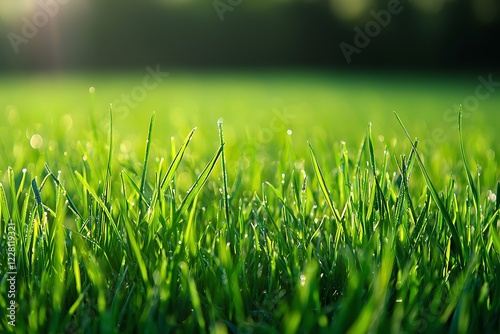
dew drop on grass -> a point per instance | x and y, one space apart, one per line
36 141
289 132
491 196
302 280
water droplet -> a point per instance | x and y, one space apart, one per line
36 141
302 280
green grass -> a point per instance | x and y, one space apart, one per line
195 225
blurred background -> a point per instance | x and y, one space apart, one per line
130 34
323 69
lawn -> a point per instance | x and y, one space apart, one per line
308 208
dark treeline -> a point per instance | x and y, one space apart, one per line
197 34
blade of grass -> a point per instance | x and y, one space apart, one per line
38 198
434 193
137 252
326 194
195 297
71 204
77 303
136 187
497 207
4 206
198 184
224 172
470 180
21 184
14 208
145 165
177 159
101 204
322 184
107 182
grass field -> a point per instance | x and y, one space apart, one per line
292 215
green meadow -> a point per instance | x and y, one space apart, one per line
250 202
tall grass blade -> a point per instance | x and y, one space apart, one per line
101 204
4 206
71 204
497 207
224 172
434 193
195 297
145 164
136 187
107 182
137 252
470 180
326 194
322 183
379 196
14 207
176 160
38 198
198 184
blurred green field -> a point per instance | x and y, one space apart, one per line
352 233
256 107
